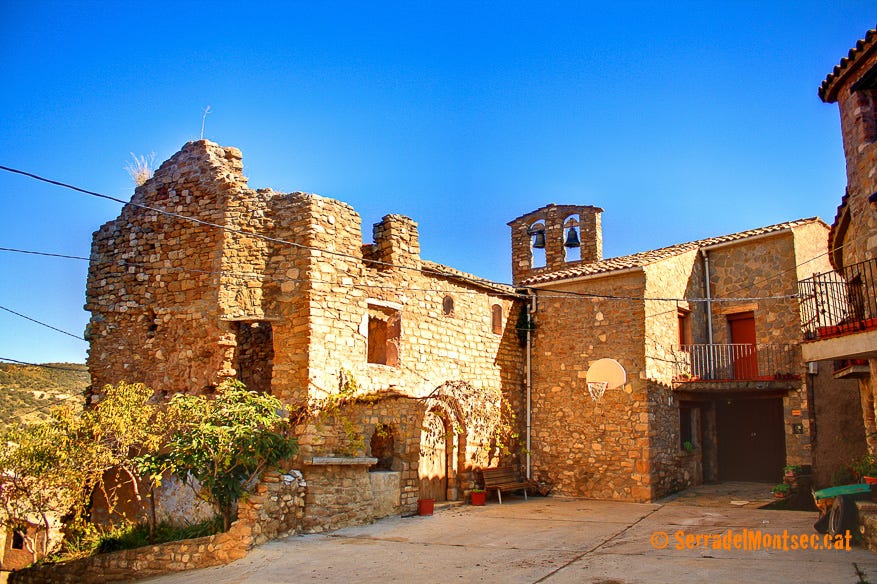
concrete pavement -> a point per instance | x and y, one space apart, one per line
557 541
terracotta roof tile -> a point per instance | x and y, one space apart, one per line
448 272
827 91
645 258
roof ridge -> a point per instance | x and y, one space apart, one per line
653 255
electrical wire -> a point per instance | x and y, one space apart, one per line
78 337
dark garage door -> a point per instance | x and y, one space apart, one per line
751 439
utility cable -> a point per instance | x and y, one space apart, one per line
78 337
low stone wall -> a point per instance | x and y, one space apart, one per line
339 493
275 508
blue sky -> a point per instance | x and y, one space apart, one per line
682 122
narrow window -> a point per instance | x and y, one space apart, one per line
448 306
686 436
684 320
17 540
384 332
496 319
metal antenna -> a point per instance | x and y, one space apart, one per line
203 118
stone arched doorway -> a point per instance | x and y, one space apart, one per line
435 444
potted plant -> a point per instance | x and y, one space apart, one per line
478 497
866 468
791 470
781 490
688 445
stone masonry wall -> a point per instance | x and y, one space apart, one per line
670 467
553 216
337 493
275 508
287 290
763 269
583 448
154 281
858 115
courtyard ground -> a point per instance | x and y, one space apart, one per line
561 540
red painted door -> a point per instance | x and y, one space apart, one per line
743 352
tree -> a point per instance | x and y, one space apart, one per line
49 470
126 423
44 473
224 443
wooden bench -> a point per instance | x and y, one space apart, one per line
504 478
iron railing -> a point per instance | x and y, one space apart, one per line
839 303
738 362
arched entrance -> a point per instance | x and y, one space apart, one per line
434 447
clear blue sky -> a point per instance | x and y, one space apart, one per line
682 121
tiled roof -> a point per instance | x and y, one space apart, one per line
826 90
645 258
455 274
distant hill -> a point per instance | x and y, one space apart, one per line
29 392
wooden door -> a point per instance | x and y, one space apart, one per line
433 467
751 439
744 355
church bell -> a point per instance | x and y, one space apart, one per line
572 238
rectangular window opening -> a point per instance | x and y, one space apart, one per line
384 332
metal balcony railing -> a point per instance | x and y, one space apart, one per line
839 303
738 362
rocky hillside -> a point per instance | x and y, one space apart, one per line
29 392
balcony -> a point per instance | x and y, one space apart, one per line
834 304
738 362
839 313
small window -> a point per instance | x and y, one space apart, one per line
496 319
684 320
866 104
382 447
17 540
686 435
384 332
448 306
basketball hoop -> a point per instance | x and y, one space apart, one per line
597 389
604 374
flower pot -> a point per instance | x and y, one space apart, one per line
425 506
479 497
780 495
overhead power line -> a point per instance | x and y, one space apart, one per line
41 323
461 277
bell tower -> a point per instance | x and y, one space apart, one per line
554 238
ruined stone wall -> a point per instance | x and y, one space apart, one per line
583 448
154 281
282 298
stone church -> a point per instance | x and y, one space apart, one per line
202 278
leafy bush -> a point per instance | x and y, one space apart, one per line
223 443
